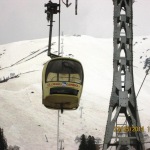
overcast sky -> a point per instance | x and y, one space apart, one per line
26 20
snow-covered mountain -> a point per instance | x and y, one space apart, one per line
31 126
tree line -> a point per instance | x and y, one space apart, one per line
87 143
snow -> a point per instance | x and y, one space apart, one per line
27 123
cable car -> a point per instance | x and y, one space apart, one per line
62 82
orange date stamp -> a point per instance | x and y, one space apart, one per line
129 129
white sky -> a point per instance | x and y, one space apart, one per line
25 20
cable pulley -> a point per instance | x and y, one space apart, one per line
52 8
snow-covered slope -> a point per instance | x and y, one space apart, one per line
28 124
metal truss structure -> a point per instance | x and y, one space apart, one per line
123 129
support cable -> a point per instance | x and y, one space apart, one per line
59 29
143 81
58 131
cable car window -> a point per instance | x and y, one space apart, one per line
64 70
62 90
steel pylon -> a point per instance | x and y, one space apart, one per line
123 129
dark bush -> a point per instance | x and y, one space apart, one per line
13 147
3 142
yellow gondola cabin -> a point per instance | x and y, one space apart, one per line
62 82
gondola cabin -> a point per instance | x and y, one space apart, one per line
62 82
